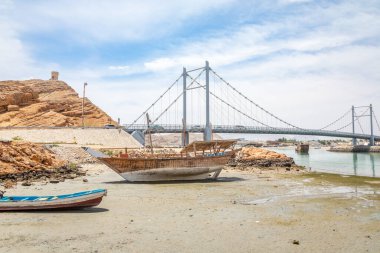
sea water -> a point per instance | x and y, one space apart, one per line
361 164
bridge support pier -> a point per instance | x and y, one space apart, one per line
353 126
207 136
139 136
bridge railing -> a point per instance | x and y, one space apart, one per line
176 128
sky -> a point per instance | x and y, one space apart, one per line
306 61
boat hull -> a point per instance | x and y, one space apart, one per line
173 174
167 169
74 201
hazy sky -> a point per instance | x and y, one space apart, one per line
306 61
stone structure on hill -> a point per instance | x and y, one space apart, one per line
54 75
46 103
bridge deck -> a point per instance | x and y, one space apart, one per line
248 130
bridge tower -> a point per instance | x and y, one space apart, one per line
372 139
207 134
185 133
353 126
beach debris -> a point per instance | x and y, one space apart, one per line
26 183
296 242
9 184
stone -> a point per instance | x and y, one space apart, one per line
12 108
257 157
71 176
26 183
296 242
85 180
54 181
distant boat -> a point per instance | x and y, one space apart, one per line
68 201
302 148
198 160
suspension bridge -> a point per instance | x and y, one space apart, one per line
216 106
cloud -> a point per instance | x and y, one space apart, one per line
84 21
160 64
303 60
15 60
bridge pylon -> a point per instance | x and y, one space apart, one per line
185 133
207 133
353 126
372 139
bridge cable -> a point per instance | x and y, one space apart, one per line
221 100
175 100
356 119
360 125
241 94
160 97
332 123
377 122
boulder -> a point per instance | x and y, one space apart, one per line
11 108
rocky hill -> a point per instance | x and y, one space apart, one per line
45 103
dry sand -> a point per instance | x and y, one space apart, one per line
242 212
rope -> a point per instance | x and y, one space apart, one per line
241 94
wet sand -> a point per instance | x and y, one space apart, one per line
242 212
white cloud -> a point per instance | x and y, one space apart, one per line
84 20
160 64
307 66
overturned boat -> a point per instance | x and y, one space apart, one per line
198 160
68 201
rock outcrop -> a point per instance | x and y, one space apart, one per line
19 157
258 157
24 161
45 103
355 149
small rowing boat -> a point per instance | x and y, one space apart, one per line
67 201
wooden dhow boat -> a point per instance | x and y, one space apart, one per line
198 160
67 201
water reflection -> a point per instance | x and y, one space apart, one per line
355 162
372 159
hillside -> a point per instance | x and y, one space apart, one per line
45 103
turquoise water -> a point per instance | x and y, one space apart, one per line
361 164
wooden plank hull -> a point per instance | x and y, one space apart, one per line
167 169
71 201
173 174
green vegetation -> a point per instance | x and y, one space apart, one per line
72 166
17 138
108 152
284 140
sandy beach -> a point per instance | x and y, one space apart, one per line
241 212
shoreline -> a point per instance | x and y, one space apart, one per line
242 211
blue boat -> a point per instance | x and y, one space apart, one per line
67 201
